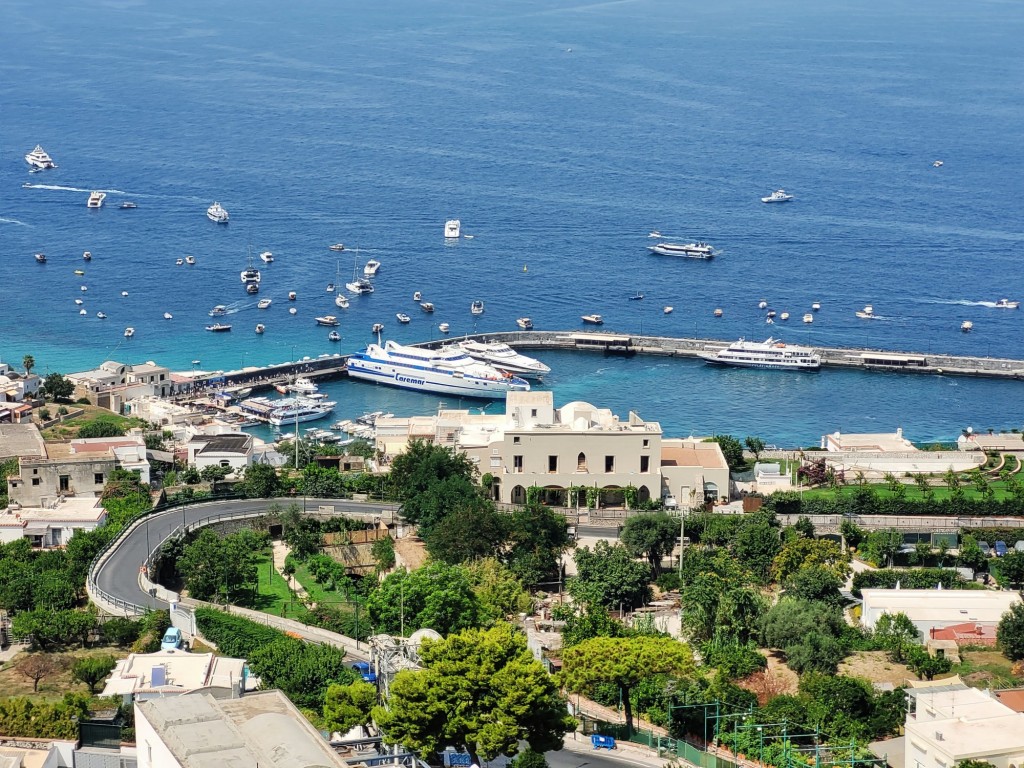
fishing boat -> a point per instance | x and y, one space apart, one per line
592 319
96 199
219 328
477 307
403 318
217 213
525 323
778 196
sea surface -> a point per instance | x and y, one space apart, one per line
560 133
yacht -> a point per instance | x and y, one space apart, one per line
525 323
291 296
219 328
303 386
179 262
447 370
371 268
341 300
477 307
260 327
592 319
808 318
128 205
687 250
417 296
771 353
504 358
250 274
264 303
337 247
190 260
966 326
96 199
667 310
427 307
360 285
38 158
219 311
86 256
101 315
168 316
868 313
403 318
1007 304
444 327
296 409
129 332
718 312
41 258
267 257
452 228
816 306
334 336
217 213
778 196
328 320
377 328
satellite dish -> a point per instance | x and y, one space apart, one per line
417 637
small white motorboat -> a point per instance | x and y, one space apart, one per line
592 319
762 304
291 296
82 312
168 316
718 312
937 164
667 310
477 307
966 326
123 293
778 196
816 306
79 301
334 336
83 288
452 229
260 327
129 332
266 257
1007 304
86 256
525 323
417 296
341 300
784 316
330 287
371 268
771 313
337 247
427 307
377 327
190 260
101 315
868 313
654 233
403 318
444 327
292 311
808 318
264 303
179 262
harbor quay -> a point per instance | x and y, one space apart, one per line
333 366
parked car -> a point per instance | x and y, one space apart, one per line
1000 548
172 640
365 671
986 550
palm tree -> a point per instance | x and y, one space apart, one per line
28 363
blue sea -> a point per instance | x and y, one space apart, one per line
560 133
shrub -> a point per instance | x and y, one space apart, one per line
233 635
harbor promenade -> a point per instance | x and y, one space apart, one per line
851 358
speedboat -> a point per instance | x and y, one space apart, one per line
778 196
168 316
38 159
808 318
360 285
771 353
477 307
427 307
417 296
291 295
667 310
654 233
219 328
341 300
96 199
784 316
219 311
266 257
718 312
337 247
82 312
868 313
403 318
86 256
1007 304
816 306
966 326
101 315
636 296
260 327
179 262
216 213
525 323
79 302
444 327
504 358
127 205
252 288
41 258
762 304
371 268
936 164
377 327
328 320
452 228
592 319
688 250
448 370
191 260
129 332
263 303
334 336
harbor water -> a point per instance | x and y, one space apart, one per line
561 134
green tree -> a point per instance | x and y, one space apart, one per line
608 576
732 450
100 428
92 670
221 567
1010 633
815 583
304 672
623 662
651 536
757 544
383 552
437 596
755 445
1009 570
926 666
815 652
261 482
971 555
588 623
974 764
28 363
469 532
721 610
49 630
58 387
896 633
529 759
478 688
537 537
500 593
346 706
799 552
882 546
429 480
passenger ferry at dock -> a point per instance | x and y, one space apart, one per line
448 370
770 353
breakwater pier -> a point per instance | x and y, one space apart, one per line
333 366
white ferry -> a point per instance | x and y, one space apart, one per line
687 250
38 158
217 213
778 196
504 358
770 353
448 370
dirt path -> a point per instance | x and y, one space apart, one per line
281 551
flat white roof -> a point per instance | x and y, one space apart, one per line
184 672
954 605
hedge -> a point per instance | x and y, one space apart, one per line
233 635
862 500
918 578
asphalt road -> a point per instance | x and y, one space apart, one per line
119 574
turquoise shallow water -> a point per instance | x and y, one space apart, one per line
323 122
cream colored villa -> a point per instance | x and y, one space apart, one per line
577 455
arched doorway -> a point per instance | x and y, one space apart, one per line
581 462
518 495
643 494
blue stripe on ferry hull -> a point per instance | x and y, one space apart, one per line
395 380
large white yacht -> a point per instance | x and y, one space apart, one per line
688 250
452 229
448 370
291 410
504 358
360 285
96 199
38 158
371 268
217 213
778 196
771 353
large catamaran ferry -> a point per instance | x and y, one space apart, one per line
770 353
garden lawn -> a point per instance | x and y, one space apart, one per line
984 667
273 595
316 591
939 492
69 429
53 688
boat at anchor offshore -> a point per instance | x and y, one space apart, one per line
686 250
448 370
770 353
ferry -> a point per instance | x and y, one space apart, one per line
38 159
687 250
452 229
504 358
778 196
216 213
448 370
770 353
96 199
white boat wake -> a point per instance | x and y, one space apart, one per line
13 221
72 189
959 302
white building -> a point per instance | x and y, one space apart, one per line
261 729
878 454
936 608
144 676
52 525
113 384
947 726
228 450
16 387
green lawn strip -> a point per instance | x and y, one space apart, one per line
316 591
273 595
939 492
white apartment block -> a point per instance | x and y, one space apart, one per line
947 726
936 608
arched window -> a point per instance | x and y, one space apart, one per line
581 462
